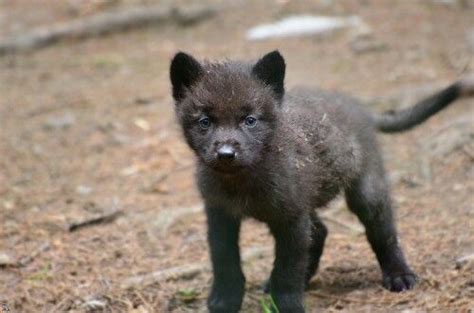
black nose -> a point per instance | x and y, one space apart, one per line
226 152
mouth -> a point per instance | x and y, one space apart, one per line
228 168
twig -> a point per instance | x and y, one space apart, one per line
186 271
144 301
102 24
345 299
179 168
29 258
65 304
469 153
462 261
102 219
175 156
169 217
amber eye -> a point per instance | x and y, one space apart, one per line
250 121
205 122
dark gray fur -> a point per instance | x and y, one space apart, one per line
305 148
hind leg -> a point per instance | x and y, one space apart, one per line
318 236
369 199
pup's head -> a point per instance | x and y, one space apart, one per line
228 110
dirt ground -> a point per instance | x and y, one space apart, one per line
88 128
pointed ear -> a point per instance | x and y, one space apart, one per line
271 70
184 71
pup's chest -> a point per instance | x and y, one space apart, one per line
261 204
246 200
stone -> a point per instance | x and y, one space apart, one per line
302 25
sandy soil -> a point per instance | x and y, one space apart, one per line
88 127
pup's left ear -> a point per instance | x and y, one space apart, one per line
184 72
271 70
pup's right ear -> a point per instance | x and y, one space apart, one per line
184 71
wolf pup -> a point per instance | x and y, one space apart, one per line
277 156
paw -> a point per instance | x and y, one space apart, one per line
289 303
226 298
223 305
400 282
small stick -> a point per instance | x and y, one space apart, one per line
460 262
168 218
346 299
102 219
179 168
29 258
186 271
144 301
170 273
468 153
102 24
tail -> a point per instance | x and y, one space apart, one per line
398 121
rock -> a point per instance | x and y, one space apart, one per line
362 29
83 190
130 170
302 25
60 122
363 40
464 260
8 205
6 260
93 304
142 123
38 150
456 3
447 2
